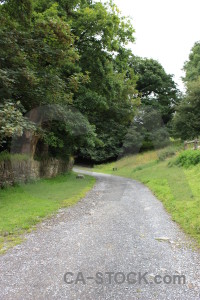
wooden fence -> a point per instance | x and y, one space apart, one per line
195 142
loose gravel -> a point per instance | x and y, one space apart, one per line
119 227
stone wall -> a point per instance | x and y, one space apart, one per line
21 171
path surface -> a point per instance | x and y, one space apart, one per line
116 228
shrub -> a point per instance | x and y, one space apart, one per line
188 158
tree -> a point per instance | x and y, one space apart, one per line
187 118
39 62
186 122
69 52
109 99
156 88
147 131
192 66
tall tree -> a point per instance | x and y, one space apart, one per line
109 99
39 62
192 66
156 87
187 118
67 52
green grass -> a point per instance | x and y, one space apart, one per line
177 187
22 207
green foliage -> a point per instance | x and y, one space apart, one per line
20 10
188 158
156 88
74 54
146 132
159 95
39 66
62 52
192 66
186 121
12 121
101 25
109 100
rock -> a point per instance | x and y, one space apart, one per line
6 234
147 208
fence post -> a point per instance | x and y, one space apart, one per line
195 144
185 145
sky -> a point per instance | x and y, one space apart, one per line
166 30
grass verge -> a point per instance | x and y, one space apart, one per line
177 187
22 207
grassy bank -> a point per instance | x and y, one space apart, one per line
177 187
22 207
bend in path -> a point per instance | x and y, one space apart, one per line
118 227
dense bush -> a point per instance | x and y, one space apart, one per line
188 158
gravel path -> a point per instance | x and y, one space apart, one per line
119 227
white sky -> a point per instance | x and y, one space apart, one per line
166 30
